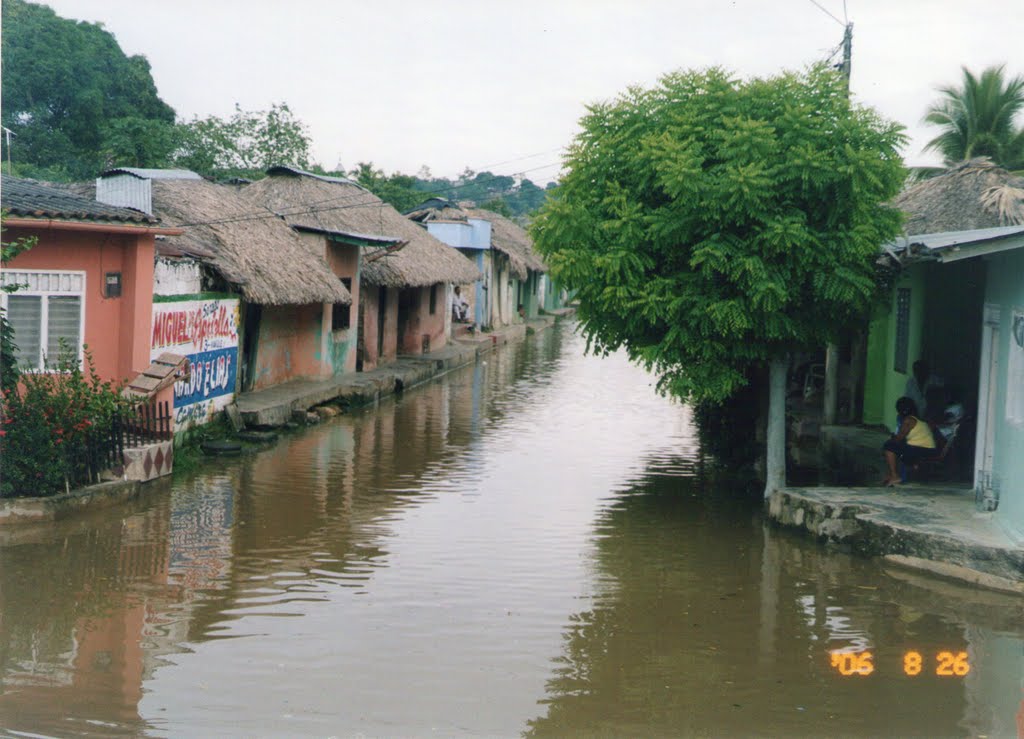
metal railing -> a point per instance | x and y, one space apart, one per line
104 451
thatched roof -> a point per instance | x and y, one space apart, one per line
972 195
334 205
254 250
250 248
511 239
437 210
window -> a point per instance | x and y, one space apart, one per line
47 307
902 329
433 299
341 314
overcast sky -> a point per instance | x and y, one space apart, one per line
501 84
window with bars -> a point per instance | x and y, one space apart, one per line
902 329
47 307
341 314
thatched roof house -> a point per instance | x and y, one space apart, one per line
341 207
249 248
253 250
511 239
972 195
507 237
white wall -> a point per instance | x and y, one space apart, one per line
176 277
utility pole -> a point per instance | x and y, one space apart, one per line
7 142
830 399
847 53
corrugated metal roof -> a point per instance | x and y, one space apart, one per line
282 169
369 238
153 174
953 245
31 199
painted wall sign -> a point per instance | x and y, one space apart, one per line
206 331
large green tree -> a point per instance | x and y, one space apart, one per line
400 190
245 144
711 226
74 101
978 118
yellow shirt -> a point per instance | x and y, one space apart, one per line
920 435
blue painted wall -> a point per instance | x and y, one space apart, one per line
1005 288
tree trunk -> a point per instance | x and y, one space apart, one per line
831 395
775 470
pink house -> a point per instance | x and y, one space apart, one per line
88 280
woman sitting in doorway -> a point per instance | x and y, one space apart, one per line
910 444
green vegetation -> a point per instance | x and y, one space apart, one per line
500 193
74 101
978 119
49 424
402 191
711 226
77 105
244 145
8 348
188 453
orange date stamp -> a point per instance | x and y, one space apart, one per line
941 664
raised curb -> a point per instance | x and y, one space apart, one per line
273 407
870 530
56 507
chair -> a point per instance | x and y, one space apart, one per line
939 463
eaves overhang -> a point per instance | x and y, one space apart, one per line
952 246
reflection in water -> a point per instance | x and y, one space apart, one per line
526 545
711 624
77 600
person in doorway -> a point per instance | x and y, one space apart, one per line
952 413
460 306
912 443
522 312
920 382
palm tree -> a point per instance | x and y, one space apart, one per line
977 119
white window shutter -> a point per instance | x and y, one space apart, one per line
25 312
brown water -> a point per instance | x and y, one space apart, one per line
529 546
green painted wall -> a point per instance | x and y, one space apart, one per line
551 295
879 343
1006 289
883 384
531 294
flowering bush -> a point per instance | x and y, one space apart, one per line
50 425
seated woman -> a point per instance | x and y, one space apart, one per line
910 444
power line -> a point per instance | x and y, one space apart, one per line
297 209
519 159
826 12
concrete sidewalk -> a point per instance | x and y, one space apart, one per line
274 406
931 527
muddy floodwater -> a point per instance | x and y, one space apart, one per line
532 546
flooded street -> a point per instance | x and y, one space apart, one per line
530 546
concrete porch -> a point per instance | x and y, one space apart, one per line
933 527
